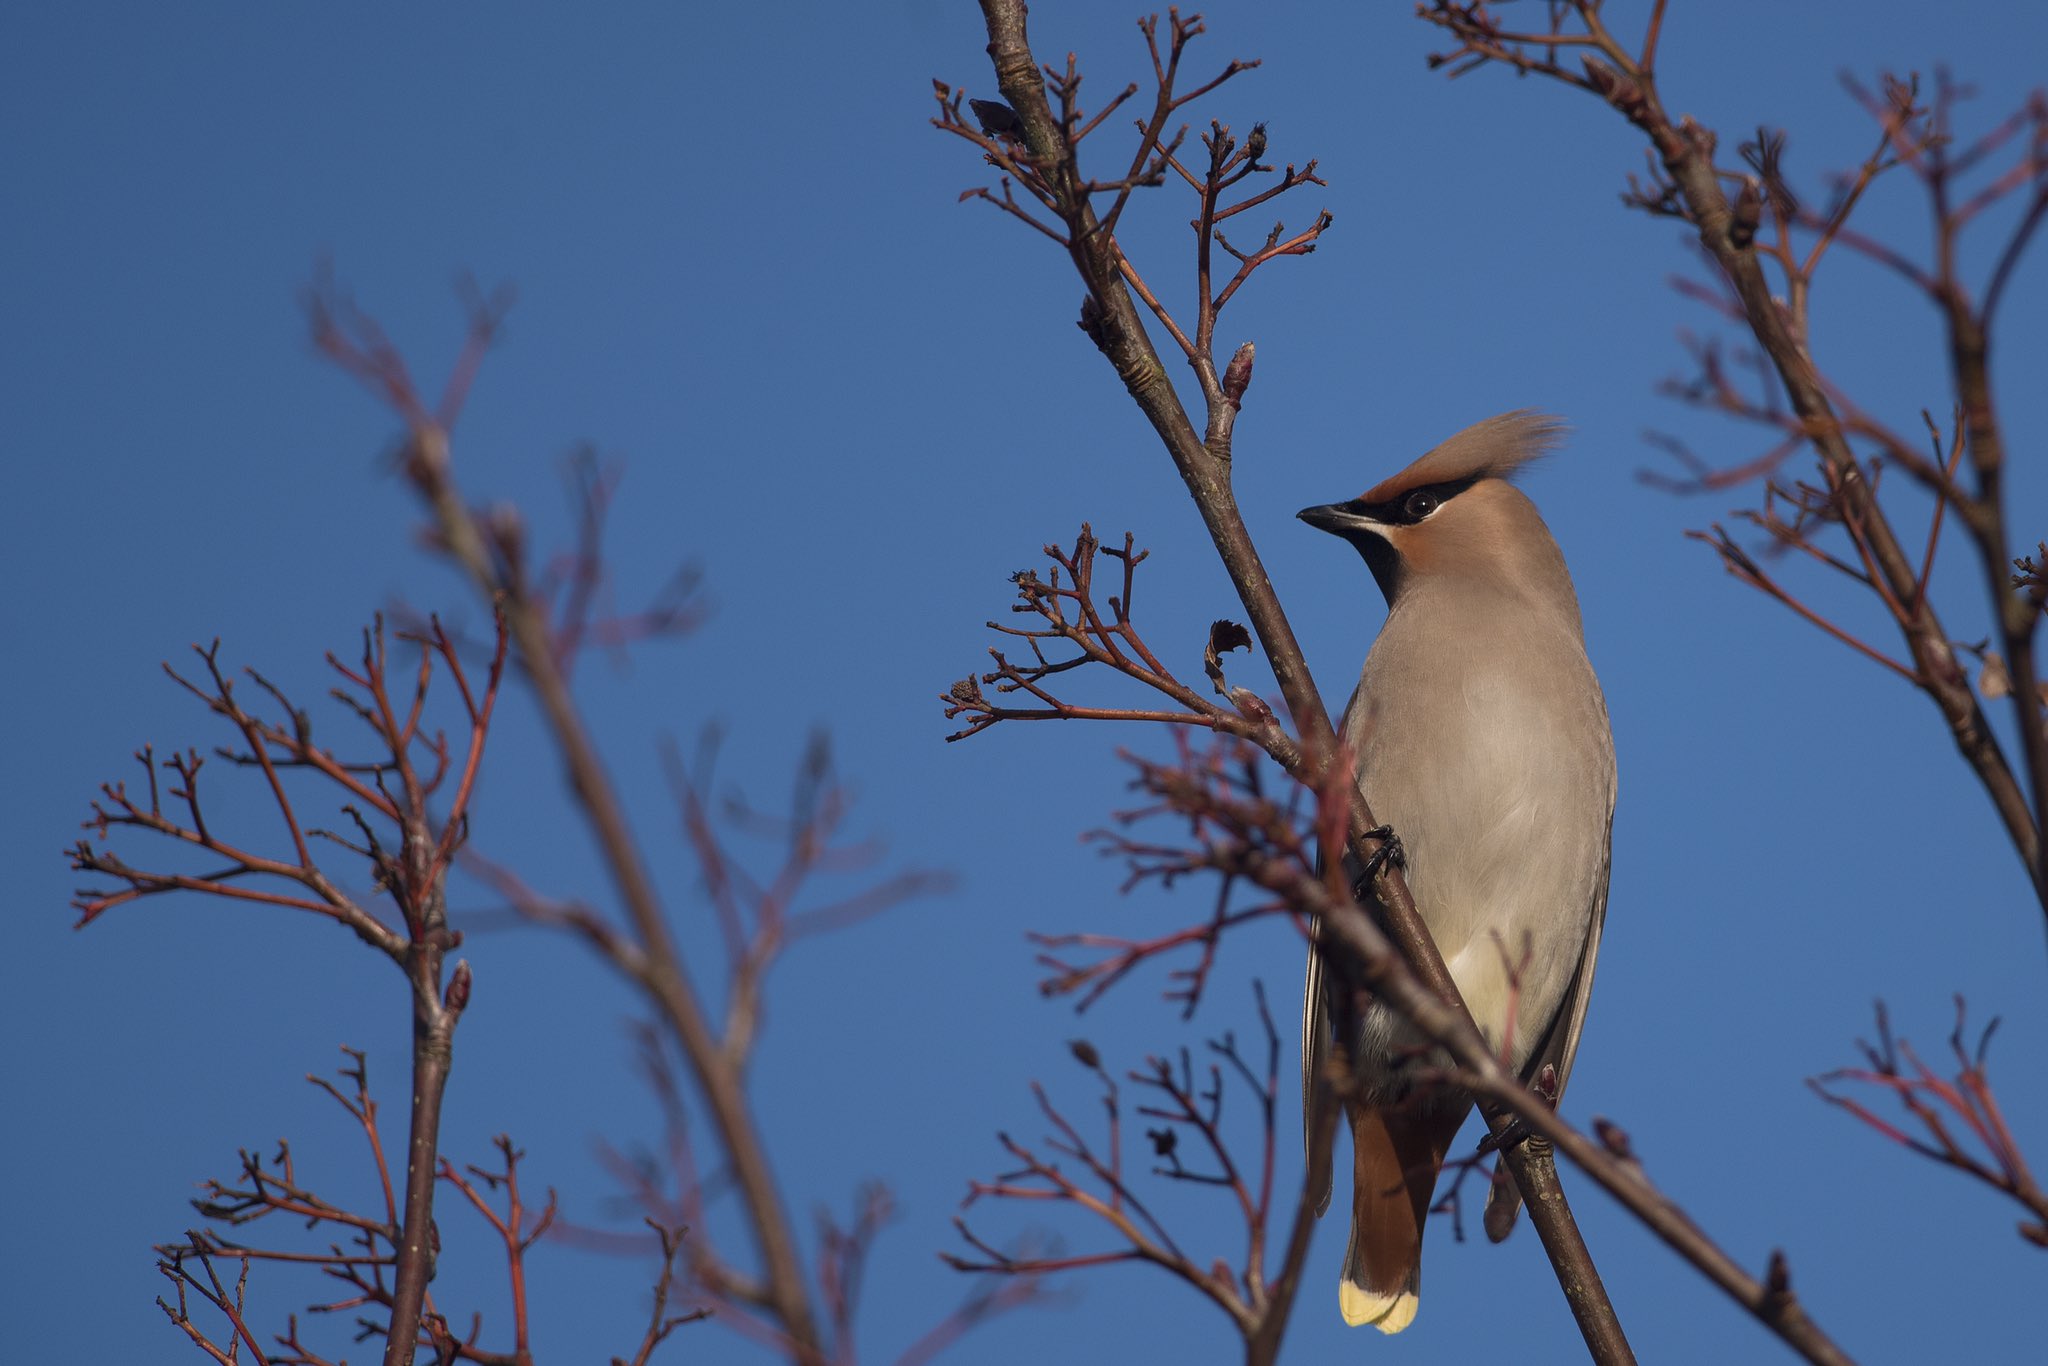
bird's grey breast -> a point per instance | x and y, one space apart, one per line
1481 737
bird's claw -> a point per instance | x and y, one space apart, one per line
1390 851
1510 1136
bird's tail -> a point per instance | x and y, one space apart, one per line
1397 1152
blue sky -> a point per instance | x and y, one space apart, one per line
859 406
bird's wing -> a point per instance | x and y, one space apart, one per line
1559 1048
1315 1052
1562 1046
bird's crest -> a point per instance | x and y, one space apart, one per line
1493 449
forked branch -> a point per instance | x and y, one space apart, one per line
1070 614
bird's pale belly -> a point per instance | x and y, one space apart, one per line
1501 875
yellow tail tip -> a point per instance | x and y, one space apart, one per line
1388 1313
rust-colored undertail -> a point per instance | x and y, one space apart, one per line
1396 1155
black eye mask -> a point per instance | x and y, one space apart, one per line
1411 507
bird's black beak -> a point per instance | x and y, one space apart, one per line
1339 519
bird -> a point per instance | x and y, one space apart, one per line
1480 736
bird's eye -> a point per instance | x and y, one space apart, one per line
1420 504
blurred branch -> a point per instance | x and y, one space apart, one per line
573 589
741 1302
980 1305
549 617
491 557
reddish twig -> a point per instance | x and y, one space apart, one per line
1225 775
1102 632
365 1261
232 1305
408 862
1188 1102
660 1322
511 1228
1959 1120
1738 562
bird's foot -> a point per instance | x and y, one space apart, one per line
1390 851
1516 1130
1511 1135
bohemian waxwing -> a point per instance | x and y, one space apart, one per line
1481 737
